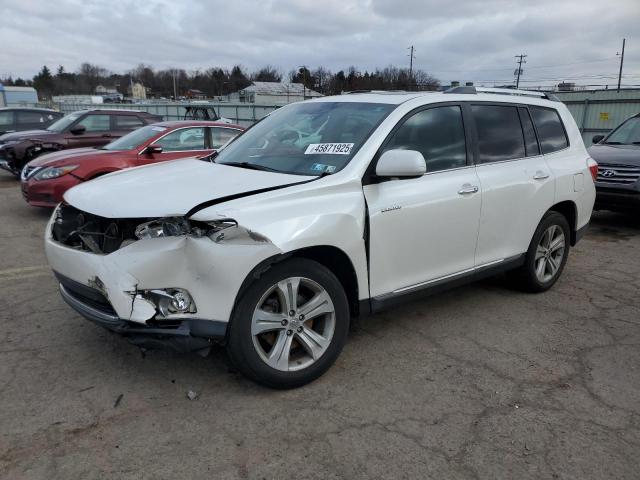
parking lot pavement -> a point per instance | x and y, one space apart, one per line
479 382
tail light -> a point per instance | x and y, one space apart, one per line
593 168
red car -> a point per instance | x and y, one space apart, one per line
45 179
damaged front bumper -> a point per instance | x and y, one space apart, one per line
112 289
187 335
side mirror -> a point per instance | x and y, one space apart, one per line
78 130
151 149
597 138
401 163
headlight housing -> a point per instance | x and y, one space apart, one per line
176 226
54 172
163 227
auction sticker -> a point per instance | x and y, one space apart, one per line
329 149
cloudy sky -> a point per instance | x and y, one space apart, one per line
571 40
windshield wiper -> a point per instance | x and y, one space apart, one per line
613 143
251 166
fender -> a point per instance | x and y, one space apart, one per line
329 215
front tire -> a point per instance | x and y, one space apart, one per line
289 326
546 256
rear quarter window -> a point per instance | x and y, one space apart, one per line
128 122
551 132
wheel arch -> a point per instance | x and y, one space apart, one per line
331 257
569 210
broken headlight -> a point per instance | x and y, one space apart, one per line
163 227
177 226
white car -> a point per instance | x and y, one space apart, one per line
325 210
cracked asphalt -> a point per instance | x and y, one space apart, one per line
481 382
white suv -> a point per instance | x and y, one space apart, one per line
325 210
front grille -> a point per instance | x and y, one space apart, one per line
92 233
618 174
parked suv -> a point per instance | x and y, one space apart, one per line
45 179
19 119
618 157
85 128
326 209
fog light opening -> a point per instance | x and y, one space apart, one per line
172 301
181 301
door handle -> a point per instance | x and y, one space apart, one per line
540 175
106 135
468 188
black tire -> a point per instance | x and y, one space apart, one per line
525 277
240 346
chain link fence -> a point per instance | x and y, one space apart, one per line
239 113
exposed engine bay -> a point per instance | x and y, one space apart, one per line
100 235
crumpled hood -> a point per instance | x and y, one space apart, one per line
26 134
69 157
616 154
169 188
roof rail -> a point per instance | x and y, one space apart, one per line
502 91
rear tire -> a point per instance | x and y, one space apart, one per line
547 255
289 326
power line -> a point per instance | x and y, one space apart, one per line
530 67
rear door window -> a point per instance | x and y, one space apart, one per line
182 140
30 118
437 133
220 136
550 129
500 135
95 123
530 140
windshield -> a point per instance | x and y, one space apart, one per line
64 122
626 134
306 138
134 139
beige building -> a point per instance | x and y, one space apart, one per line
137 91
273 93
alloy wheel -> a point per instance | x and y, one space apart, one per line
293 324
549 253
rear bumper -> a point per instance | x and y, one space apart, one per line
617 199
186 335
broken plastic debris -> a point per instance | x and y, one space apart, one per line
191 395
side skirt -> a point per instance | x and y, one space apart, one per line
389 300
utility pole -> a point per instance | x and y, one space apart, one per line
520 61
175 91
411 56
304 80
624 40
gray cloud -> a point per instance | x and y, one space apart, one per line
464 40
